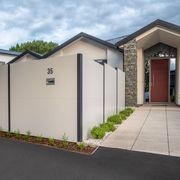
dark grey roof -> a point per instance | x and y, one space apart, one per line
115 40
14 53
84 35
157 22
32 53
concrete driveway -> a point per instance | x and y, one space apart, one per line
154 129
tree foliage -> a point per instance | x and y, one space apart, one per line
38 46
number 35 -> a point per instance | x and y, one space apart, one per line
49 70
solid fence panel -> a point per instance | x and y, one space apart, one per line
44 97
110 91
121 90
92 95
4 97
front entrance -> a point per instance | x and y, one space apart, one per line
159 80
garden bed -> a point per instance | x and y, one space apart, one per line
58 144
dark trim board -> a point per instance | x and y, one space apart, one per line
79 97
9 98
155 23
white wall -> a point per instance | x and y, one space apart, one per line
178 77
140 76
26 57
110 91
4 97
6 58
121 90
92 51
92 95
50 110
115 59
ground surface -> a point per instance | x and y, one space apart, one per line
22 161
154 129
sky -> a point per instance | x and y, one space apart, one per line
59 20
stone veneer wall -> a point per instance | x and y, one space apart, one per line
130 69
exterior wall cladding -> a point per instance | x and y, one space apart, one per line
130 69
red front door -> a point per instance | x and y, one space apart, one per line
159 80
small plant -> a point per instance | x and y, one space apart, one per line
65 141
81 145
107 127
28 133
1 129
17 134
116 119
51 141
9 134
97 132
39 138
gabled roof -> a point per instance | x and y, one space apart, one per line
32 53
82 35
117 39
155 23
13 53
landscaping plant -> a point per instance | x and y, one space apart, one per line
97 132
81 145
51 141
116 119
107 127
39 138
65 141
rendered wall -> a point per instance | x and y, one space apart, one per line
6 58
120 90
48 110
26 57
115 59
110 91
92 95
4 97
93 51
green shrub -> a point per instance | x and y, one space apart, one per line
107 127
39 138
17 134
125 113
65 141
97 132
51 141
1 129
81 146
116 119
28 133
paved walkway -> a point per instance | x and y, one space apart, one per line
154 129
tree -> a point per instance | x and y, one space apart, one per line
39 46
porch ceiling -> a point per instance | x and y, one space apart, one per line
157 35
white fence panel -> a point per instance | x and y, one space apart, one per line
92 95
121 90
110 91
47 110
4 97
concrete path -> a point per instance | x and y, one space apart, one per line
154 129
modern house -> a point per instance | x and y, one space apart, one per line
80 83
148 54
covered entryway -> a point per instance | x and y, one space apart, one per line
159 80
151 128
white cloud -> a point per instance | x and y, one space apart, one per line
59 20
